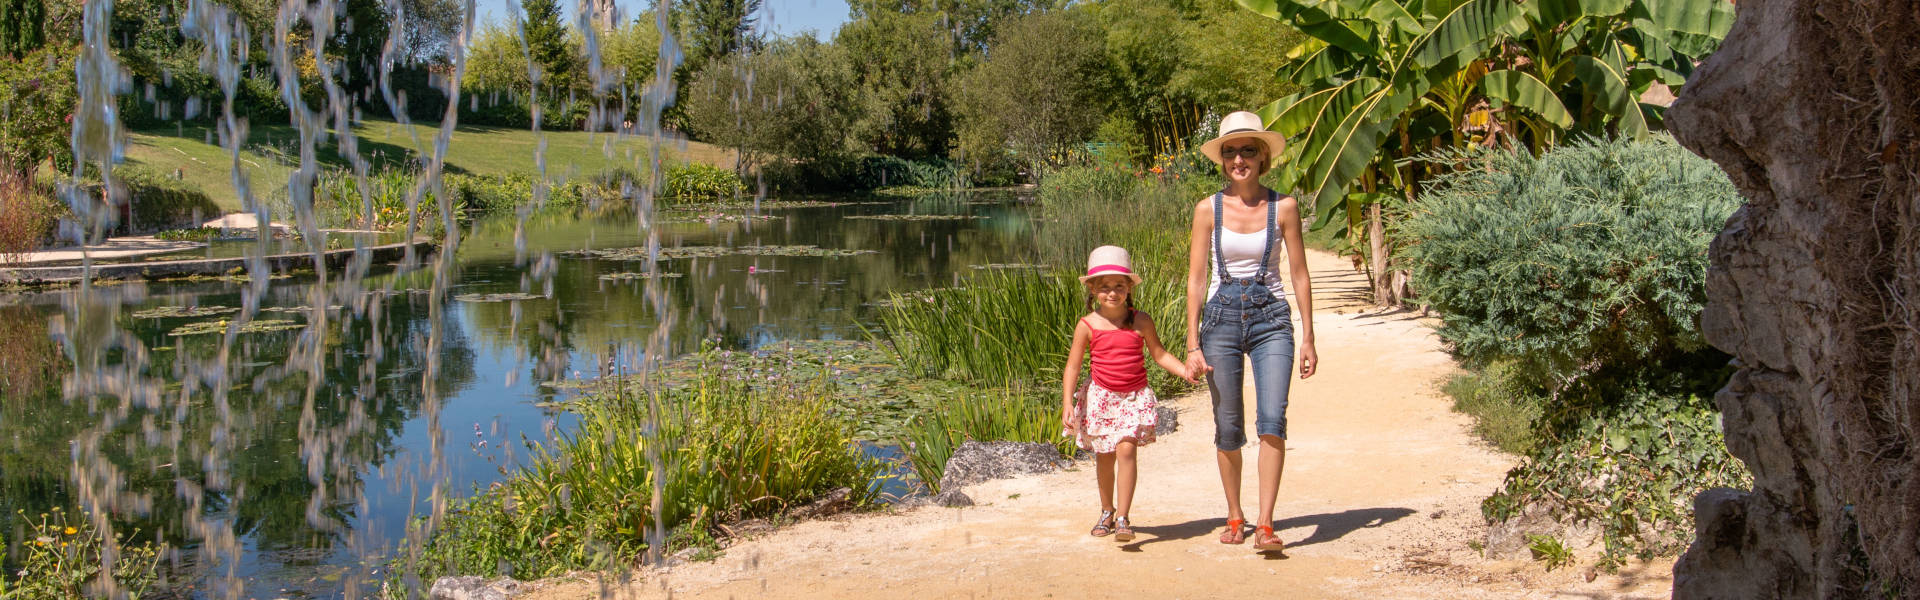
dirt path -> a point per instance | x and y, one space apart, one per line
1380 498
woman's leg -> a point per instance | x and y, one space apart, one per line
1127 471
1272 358
1103 473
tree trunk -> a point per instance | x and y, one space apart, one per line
1383 288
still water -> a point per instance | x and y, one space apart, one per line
240 459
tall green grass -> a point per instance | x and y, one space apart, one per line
719 450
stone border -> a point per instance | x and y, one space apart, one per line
204 266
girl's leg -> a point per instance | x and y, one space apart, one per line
1128 471
1103 472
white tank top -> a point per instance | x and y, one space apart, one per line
1243 252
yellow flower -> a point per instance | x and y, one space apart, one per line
71 531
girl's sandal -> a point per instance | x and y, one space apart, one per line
1104 526
1235 533
1122 530
1264 540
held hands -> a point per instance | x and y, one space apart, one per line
1197 367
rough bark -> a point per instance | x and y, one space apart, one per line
1810 107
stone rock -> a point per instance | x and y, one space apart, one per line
1814 287
974 462
952 499
471 587
1508 539
1169 420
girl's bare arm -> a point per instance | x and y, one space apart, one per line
1158 353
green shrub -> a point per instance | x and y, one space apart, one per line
1632 467
1010 414
60 557
1585 263
197 234
162 202
27 217
342 201
701 181
729 449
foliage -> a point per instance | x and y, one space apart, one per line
60 556
37 97
377 202
429 27
716 29
701 181
905 74
197 234
1588 262
629 54
794 99
719 450
22 27
548 48
998 327
1549 551
27 217
1035 93
1632 467
1175 66
1011 414
1506 412
160 201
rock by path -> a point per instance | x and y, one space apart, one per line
1380 499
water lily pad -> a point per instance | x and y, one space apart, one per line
507 297
713 217
220 326
916 217
636 276
176 312
640 252
799 251
300 310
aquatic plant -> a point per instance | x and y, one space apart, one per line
61 554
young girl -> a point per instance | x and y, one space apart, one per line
1117 414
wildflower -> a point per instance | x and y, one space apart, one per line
71 531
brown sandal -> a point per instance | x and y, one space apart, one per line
1104 526
1264 540
1235 533
1122 530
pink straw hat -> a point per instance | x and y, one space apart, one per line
1110 260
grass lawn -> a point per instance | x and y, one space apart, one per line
271 152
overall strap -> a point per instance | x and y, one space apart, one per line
1266 256
1219 257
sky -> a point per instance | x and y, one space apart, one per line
781 17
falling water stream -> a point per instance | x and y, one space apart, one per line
307 461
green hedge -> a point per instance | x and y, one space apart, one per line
1586 263
161 202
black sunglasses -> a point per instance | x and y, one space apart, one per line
1247 152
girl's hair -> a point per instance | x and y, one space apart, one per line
1129 322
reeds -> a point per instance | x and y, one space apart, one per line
717 451
1005 414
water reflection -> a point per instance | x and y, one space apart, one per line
314 452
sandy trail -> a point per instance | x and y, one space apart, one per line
1380 498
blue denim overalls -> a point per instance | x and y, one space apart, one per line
1244 318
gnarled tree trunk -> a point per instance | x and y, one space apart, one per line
1810 107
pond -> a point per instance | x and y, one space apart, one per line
296 463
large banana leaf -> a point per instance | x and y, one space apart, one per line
1294 114
1611 94
1711 18
1337 154
1313 20
1467 30
1320 66
1528 92
1567 11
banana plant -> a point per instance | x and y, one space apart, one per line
1388 80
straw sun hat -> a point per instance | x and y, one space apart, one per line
1243 124
1110 260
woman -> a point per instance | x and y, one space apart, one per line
1233 263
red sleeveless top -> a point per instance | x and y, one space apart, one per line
1119 359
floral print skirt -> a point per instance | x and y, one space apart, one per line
1106 417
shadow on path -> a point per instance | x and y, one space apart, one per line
1326 527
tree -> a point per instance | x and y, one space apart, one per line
547 45
906 73
37 99
793 99
718 28
1388 80
22 27
360 38
430 28
1036 92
